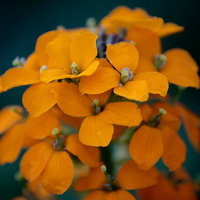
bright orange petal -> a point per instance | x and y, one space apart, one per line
130 177
135 90
123 55
49 75
11 144
35 159
122 113
71 101
157 82
59 51
169 29
83 49
38 98
174 153
8 117
100 81
41 44
147 42
58 173
15 77
146 146
42 126
88 155
95 131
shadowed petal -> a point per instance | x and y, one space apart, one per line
88 155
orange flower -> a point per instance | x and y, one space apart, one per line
74 57
49 161
137 86
97 127
129 177
123 17
176 64
156 138
178 186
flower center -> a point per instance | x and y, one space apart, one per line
159 61
96 106
126 75
75 68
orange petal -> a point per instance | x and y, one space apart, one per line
146 146
95 131
147 42
191 124
169 29
174 153
144 65
122 113
119 195
130 177
157 82
49 75
38 98
41 44
94 180
103 97
8 117
88 155
163 190
123 55
83 49
58 173
24 77
11 144
135 90
181 69
97 195
101 80
59 51
71 101
35 159
42 126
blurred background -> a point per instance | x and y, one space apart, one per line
22 21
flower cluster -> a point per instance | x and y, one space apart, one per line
97 114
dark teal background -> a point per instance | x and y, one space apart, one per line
22 21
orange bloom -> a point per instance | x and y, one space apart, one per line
123 17
97 127
129 177
178 186
158 138
176 64
74 57
125 57
49 161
